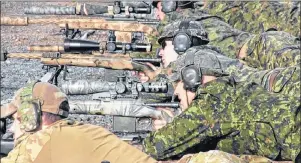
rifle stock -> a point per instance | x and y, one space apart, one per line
117 62
81 24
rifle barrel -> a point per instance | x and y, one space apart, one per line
170 104
147 60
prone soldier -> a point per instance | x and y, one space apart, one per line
238 118
280 80
267 50
253 16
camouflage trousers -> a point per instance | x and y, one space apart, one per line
271 50
246 120
215 156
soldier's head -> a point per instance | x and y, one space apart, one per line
195 68
167 6
35 106
179 36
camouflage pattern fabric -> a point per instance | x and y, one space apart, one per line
242 118
270 50
28 113
214 156
212 62
280 80
18 154
257 16
82 142
267 50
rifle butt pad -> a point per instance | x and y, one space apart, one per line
3 56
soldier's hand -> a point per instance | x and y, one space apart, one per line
157 124
143 77
167 117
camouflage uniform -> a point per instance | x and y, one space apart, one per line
81 142
280 80
214 156
267 50
212 62
258 16
241 118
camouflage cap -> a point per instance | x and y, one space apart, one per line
49 95
194 29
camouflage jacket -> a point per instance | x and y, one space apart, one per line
257 16
73 142
19 153
260 51
285 81
238 119
212 62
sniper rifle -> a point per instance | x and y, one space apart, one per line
95 23
116 62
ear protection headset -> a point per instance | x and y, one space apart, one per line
30 109
191 75
170 5
183 41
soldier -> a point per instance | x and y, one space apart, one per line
43 134
254 17
280 80
238 118
267 50
257 16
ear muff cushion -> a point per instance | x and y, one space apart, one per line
190 77
169 6
181 42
